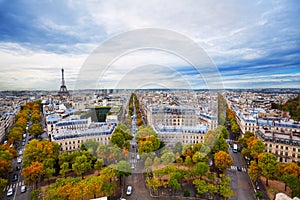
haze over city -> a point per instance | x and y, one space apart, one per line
254 44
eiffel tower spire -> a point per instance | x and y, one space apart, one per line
63 88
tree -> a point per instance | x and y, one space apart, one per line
201 169
293 183
235 128
243 140
64 168
269 166
177 148
123 168
254 171
81 165
256 146
153 183
212 189
36 130
201 186
91 146
98 164
188 161
220 145
40 151
293 169
187 150
224 187
168 158
3 183
174 183
223 160
148 164
33 173
94 184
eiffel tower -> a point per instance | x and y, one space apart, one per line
63 88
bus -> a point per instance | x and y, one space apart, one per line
235 148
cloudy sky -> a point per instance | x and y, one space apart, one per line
252 44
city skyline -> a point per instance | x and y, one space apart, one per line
253 45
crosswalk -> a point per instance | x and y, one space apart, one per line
14 185
243 169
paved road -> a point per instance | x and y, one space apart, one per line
16 185
240 181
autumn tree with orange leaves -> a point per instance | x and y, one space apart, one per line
33 173
223 160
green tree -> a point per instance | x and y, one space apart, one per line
64 169
148 164
269 166
91 146
293 183
98 164
201 186
224 187
201 169
177 148
36 130
220 145
188 161
174 183
168 158
81 165
3 183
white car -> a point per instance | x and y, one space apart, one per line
23 188
19 160
10 192
129 190
20 152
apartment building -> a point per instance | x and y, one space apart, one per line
275 128
179 116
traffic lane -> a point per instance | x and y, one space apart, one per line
139 189
240 185
240 181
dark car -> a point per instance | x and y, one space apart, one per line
15 177
239 168
18 168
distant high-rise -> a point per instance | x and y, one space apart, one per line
63 88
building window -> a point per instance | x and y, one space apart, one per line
286 148
276 146
78 141
286 153
294 149
270 145
281 147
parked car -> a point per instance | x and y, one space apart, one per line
10 192
20 152
19 160
23 188
15 177
129 190
18 168
239 168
